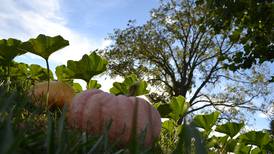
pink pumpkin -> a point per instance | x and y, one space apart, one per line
91 110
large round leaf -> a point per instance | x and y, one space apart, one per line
258 138
87 67
206 121
230 128
44 45
9 50
38 73
63 73
125 86
84 69
179 107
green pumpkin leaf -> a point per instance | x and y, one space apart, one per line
77 87
119 88
179 107
93 84
164 110
231 144
213 142
63 73
169 125
36 72
90 65
242 148
231 128
256 150
269 146
124 87
188 135
255 138
9 49
19 70
87 67
44 45
206 121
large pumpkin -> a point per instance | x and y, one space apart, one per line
59 93
92 110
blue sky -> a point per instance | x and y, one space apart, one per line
84 23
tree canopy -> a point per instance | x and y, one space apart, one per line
179 52
251 23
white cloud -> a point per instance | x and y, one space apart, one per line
262 115
27 19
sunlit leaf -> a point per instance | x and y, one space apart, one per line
178 106
124 87
33 72
256 150
63 73
231 144
231 128
206 121
77 87
169 125
36 72
242 148
213 142
255 138
87 67
19 70
93 84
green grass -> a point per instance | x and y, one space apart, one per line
25 128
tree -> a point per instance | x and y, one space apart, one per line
252 26
178 53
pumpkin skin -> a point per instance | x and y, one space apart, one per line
91 110
59 93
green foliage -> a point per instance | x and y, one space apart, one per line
231 129
9 49
25 128
206 121
129 81
176 109
93 84
63 73
77 87
38 73
179 107
44 45
164 109
178 51
24 73
251 23
90 65
259 139
190 141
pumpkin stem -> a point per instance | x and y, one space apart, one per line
133 89
133 139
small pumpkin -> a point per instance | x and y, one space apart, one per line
92 110
60 93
